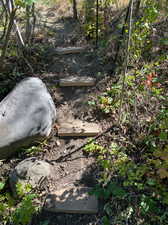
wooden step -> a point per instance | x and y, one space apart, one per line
76 81
78 129
69 50
72 200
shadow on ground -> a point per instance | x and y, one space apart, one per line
88 179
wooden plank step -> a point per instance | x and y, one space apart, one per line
78 129
76 81
72 200
69 50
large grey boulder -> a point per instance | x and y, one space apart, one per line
30 171
27 114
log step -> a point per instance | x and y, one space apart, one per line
69 50
76 81
78 129
72 200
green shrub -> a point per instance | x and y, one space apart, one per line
17 212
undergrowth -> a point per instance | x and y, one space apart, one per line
20 209
134 158
135 163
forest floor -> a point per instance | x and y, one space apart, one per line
72 104
79 169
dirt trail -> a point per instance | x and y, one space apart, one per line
71 103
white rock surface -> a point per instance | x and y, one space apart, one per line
27 114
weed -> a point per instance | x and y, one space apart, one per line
14 212
134 165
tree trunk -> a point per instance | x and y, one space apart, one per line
97 22
105 21
10 6
28 25
75 13
7 37
137 7
4 17
34 19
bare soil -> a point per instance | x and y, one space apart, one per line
71 103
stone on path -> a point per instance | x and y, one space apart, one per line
78 129
72 200
76 81
29 171
69 50
27 114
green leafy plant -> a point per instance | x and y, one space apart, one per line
17 212
141 31
24 212
35 149
134 165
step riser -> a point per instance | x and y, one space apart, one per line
76 81
72 200
69 50
78 129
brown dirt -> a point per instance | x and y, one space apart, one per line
71 104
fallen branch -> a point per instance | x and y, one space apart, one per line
64 157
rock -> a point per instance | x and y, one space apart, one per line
29 171
27 114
